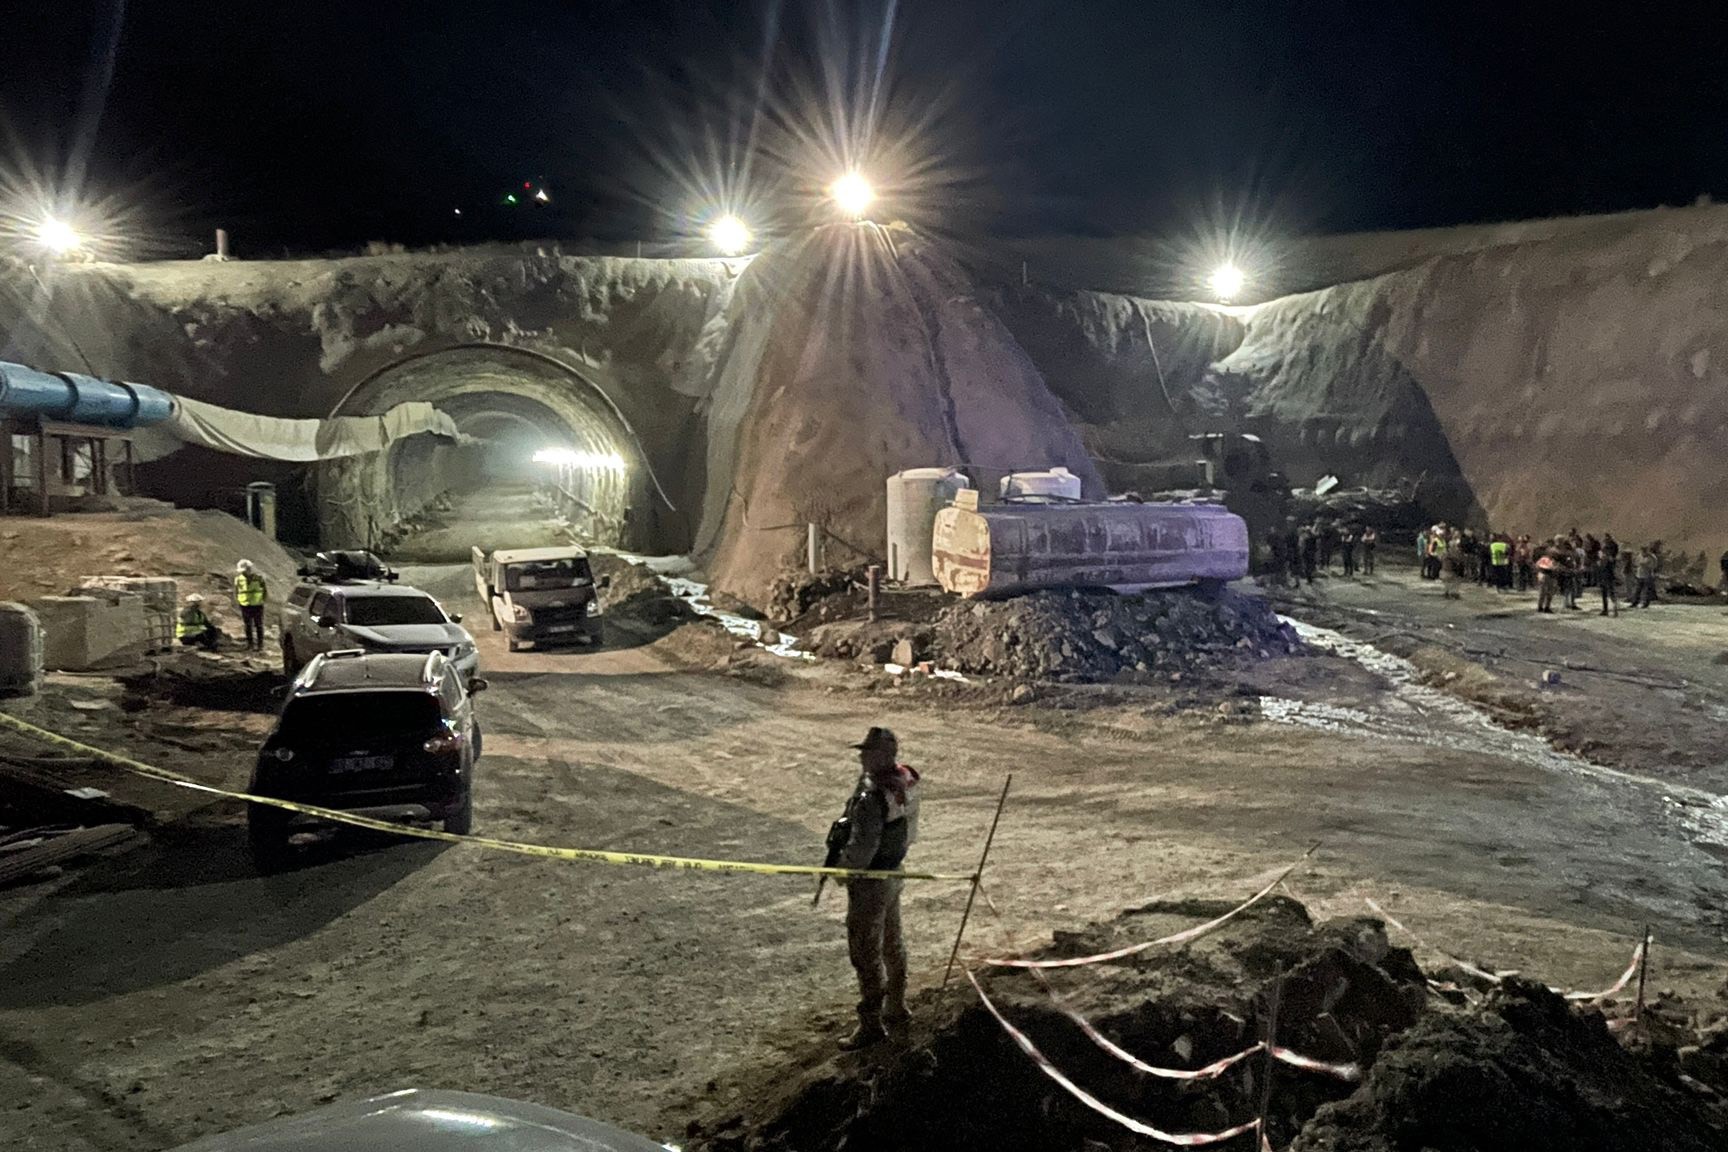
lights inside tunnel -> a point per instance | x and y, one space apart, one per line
853 193
571 458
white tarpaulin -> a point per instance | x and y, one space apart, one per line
273 438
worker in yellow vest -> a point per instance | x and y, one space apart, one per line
250 592
191 626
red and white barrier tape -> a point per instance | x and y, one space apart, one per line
1495 978
1349 1072
1491 977
1619 985
1180 1139
1182 937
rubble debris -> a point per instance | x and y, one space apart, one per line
1069 636
38 852
1095 636
829 593
1524 1070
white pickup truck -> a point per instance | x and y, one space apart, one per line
541 596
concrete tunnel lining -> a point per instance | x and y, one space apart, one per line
610 491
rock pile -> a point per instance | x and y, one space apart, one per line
1093 636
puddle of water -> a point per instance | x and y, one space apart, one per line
1416 713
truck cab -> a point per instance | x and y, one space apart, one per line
541 596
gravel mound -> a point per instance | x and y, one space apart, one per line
1093 636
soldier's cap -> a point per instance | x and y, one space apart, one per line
877 738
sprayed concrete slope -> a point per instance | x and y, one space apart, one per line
873 354
1538 375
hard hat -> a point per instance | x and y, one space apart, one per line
194 598
243 566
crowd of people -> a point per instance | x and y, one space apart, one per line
1562 568
1565 566
1300 552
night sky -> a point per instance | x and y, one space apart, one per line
313 125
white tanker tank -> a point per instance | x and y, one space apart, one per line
914 498
1002 549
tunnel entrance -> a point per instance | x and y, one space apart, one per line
540 445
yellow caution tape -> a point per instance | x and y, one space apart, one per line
548 851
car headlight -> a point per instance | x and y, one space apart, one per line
466 648
594 606
283 753
519 614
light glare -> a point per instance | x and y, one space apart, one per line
1227 281
58 236
729 235
853 193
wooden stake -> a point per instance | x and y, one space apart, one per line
1643 966
976 877
1273 998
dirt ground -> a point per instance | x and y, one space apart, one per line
169 992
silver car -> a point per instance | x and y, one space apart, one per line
323 617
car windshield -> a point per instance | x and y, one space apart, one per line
533 575
382 611
347 716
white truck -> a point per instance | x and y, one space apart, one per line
541 596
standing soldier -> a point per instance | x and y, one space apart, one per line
1293 550
882 820
1347 546
1370 541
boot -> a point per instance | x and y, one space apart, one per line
863 1036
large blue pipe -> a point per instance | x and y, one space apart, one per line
79 399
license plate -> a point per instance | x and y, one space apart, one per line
362 763
562 628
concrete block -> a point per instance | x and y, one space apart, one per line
159 593
80 633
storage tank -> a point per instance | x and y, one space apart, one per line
20 650
1007 548
1050 483
914 498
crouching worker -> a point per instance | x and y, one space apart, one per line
882 821
193 627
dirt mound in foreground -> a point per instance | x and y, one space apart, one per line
1522 1070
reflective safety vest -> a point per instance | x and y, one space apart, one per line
191 622
1499 551
249 589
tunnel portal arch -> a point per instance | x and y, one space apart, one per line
507 402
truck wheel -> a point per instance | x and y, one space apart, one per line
267 836
496 627
460 821
290 665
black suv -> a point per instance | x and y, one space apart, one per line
383 735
